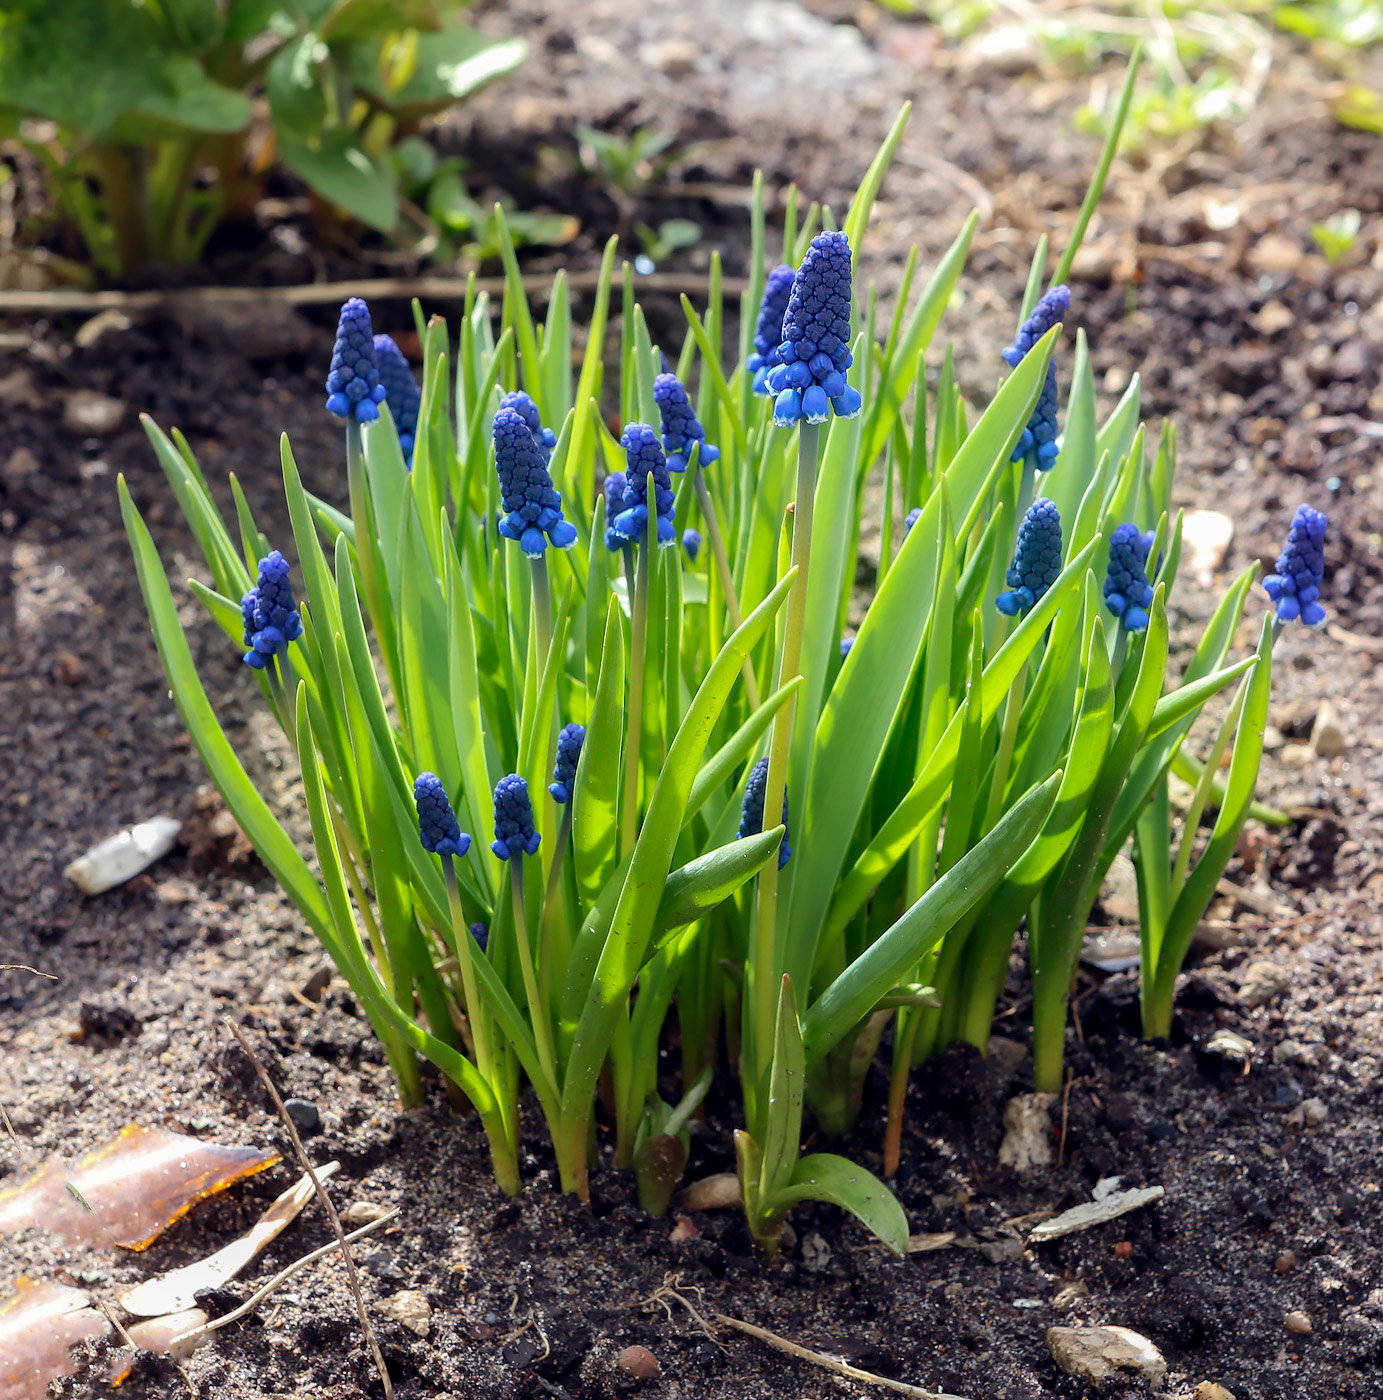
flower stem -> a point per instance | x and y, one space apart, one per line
1003 759
466 949
727 578
542 609
537 1008
549 957
633 749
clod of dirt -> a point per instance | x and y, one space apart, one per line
1097 1354
1206 535
1297 1322
69 668
87 412
640 1363
123 856
1211 1390
410 1308
1027 1144
1263 982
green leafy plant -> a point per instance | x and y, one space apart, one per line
1337 235
669 237
960 769
151 139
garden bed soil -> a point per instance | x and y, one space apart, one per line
1268 359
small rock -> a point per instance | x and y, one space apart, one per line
1027 1144
1004 52
640 1363
816 1253
1285 1262
1289 1052
69 668
1207 535
411 1308
20 465
718 1192
360 1213
1327 738
1096 1354
304 1114
1069 1296
315 986
1297 755
1209 1390
88 412
676 57
1314 1112
1274 317
383 1265
1230 1046
123 856
1297 1322
1263 982
1275 252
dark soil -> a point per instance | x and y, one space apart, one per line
1268 359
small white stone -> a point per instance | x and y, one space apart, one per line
122 857
1211 1390
1314 1112
1297 1322
88 412
1327 737
1027 1144
410 1308
163 1334
1096 1354
1096 1212
363 1213
1263 982
1297 756
1206 536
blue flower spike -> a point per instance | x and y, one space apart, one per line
809 380
768 331
353 387
847 645
1047 313
681 428
614 503
691 542
569 743
515 834
644 455
752 812
1296 586
437 825
1039 437
1036 560
401 392
481 934
269 613
524 406
1127 592
532 506
911 519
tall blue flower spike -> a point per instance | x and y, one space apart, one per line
691 542
1127 592
481 934
768 330
911 519
515 834
847 645
814 354
752 812
1036 561
644 455
269 613
533 508
524 406
401 392
681 429
569 743
1039 437
614 503
353 387
437 825
1296 586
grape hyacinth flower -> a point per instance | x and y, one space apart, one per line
681 429
401 392
515 834
814 353
1046 314
752 812
691 542
768 330
524 406
1127 592
614 503
353 387
569 743
1036 560
481 934
269 613
911 519
1296 586
437 825
645 456
1039 437
847 645
532 505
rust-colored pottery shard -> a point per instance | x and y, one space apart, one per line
128 1191
38 1322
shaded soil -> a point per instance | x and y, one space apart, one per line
1269 360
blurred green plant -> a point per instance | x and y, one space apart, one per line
669 237
626 165
1337 235
143 115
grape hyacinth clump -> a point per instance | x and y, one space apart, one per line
437 825
1127 592
569 743
752 812
814 354
768 330
1039 437
1296 586
1036 560
533 507
644 456
681 429
401 392
269 613
353 387
524 406
515 834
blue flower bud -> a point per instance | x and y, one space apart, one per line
768 331
1296 586
437 825
1036 561
809 379
401 392
353 387
524 406
691 542
269 614
614 503
644 456
515 834
847 645
752 812
1051 309
533 508
481 934
681 429
569 743
1127 592
911 519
